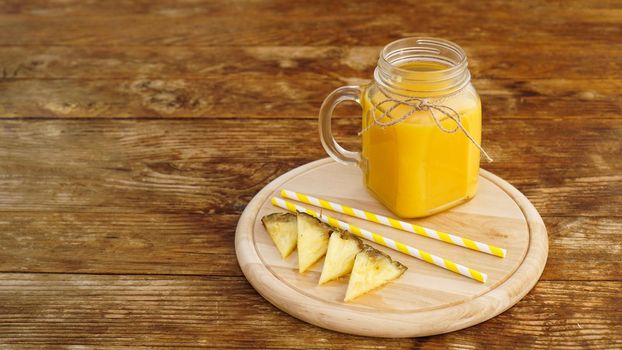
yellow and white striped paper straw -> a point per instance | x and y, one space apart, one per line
398 224
386 242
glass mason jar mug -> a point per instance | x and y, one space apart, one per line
421 127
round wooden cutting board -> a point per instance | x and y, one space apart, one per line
426 300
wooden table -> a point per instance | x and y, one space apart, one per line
134 133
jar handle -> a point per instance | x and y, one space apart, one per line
334 150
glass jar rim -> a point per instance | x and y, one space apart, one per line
427 49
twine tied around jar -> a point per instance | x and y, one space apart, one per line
421 104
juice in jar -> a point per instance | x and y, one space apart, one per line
414 167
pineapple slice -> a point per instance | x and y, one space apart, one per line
312 240
283 230
372 269
342 249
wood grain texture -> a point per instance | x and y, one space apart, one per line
193 311
285 23
211 166
130 243
273 96
103 203
181 244
486 61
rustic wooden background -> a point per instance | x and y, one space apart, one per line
132 135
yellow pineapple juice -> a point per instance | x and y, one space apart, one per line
413 167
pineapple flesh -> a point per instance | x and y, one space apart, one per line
283 230
312 240
342 249
372 269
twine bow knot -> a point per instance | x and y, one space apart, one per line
421 104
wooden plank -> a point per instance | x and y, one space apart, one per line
194 7
224 312
270 81
118 243
197 244
486 61
269 96
312 23
568 168
184 8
